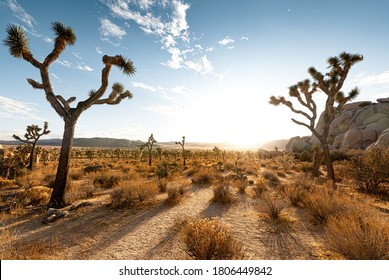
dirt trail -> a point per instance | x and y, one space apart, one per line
145 235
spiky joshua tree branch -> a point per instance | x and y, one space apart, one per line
18 45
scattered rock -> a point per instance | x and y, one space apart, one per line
383 100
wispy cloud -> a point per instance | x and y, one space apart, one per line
98 50
84 67
64 63
181 90
19 12
372 79
13 109
243 38
165 20
226 41
144 86
168 110
109 29
77 55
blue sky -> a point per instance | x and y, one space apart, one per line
205 69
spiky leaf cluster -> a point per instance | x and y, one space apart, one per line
63 33
126 66
16 40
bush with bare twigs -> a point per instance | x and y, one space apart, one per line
209 239
129 193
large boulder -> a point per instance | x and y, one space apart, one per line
299 144
358 126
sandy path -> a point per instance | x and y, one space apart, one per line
145 234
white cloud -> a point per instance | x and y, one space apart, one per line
77 55
202 66
181 90
210 49
170 26
171 110
84 67
98 50
13 109
230 47
226 41
372 79
64 63
144 86
244 38
221 77
55 76
21 14
109 29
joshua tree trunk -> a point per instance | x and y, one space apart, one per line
57 197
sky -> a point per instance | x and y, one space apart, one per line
204 69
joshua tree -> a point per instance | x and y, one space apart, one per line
182 144
330 84
18 46
149 146
32 136
217 152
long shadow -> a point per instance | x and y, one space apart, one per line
75 231
282 243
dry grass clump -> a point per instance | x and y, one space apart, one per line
273 207
4 183
129 193
176 191
260 187
209 239
106 181
223 194
36 196
272 177
358 238
204 177
12 249
323 204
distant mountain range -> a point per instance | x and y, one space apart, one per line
98 142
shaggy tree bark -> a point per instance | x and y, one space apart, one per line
18 47
330 84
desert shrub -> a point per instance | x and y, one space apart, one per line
203 177
38 195
285 161
260 187
162 170
357 238
323 204
175 194
209 239
92 168
273 207
222 194
338 155
106 181
162 185
13 249
75 174
129 193
304 156
272 177
6 182
297 195
369 169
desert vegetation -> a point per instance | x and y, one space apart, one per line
263 206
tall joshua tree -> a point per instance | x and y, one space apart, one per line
330 84
32 136
149 146
18 46
182 144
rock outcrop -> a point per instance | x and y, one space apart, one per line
360 125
